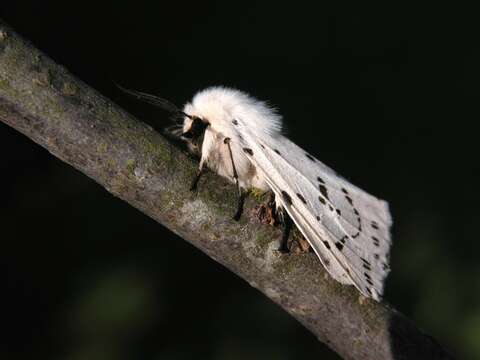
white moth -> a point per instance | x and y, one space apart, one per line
240 138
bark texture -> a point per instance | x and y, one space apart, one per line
78 125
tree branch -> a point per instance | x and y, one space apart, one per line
132 161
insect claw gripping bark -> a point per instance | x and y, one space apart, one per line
194 185
287 227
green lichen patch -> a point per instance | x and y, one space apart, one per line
69 89
102 148
258 195
130 166
263 239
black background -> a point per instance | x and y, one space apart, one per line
387 96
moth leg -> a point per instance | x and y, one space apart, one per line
287 227
241 202
197 177
241 194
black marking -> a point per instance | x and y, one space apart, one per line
278 152
376 242
323 190
367 267
385 266
369 281
197 129
367 275
368 290
331 207
194 185
365 261
344 239
248 151
235 122
287 197
310 157
240 204
320 180
322 200
376 256
327 245
339 245
263 147
374 225
287 227
302 198
355 211
318 218
339 212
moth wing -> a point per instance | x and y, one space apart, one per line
348 228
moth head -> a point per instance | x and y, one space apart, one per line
193 131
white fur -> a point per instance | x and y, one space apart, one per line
348 228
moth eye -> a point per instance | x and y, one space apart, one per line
187 134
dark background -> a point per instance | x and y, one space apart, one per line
386 96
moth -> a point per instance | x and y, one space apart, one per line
240 138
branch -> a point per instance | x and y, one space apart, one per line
78 125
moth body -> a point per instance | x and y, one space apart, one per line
240 138
220 109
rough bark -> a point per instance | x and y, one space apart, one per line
78 125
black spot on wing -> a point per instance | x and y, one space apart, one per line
368 278
376 242
286 197
310 157
278 152
320 180
248 151
302 198
339 244
355 211
263 147
374 225
339 212
365 261
322 200
235 122
323 190
327 245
